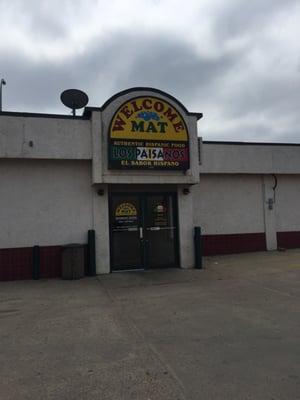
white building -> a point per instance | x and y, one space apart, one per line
135 172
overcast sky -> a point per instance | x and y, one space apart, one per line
236 61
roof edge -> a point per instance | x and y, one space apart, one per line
234 143
40 115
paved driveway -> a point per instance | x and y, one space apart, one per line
230 331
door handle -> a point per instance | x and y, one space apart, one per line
141 233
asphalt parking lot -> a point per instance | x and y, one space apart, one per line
230 331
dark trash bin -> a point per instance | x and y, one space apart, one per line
73 261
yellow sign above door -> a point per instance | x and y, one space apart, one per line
148 118
148 132
126 210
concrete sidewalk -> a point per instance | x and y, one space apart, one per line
230 331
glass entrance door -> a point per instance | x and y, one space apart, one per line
143 231
125 232
160 231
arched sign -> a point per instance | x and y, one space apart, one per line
148 133
126 210
125 215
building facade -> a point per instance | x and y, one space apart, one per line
136 173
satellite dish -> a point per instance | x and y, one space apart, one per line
74 99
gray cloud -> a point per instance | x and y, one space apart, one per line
37 18
241 96
238 17
172 66
272 95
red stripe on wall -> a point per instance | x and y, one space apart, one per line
50 261
288 240
15 264
235 243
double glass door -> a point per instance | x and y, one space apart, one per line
143 231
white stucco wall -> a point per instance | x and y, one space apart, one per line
48 165
44 202
247 158
287 203
186 228
227 204
44 137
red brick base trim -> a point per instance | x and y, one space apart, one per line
234 243
288 240
15 264
50 261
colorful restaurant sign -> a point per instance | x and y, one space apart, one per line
126 216
148 133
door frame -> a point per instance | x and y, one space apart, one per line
142 194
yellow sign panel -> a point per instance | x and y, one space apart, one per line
126 210
148 118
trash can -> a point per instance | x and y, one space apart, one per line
73 261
